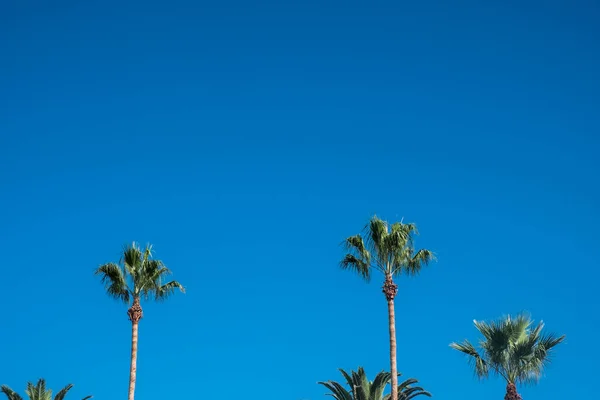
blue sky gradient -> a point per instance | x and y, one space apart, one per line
245 140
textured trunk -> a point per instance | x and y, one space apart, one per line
511 392
135 314
390 289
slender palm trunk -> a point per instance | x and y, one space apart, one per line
511 392
135 314
390 289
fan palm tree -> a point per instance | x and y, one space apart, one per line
38 392
363 389
512 348
138 276
390 251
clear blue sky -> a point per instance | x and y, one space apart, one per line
247 140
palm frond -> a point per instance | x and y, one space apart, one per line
414 264
375 233
63 392
337 391
406 391
362 384
413 392
351 262
550 340
132 260
406 383
164 291
358 258
150 277
115 284
10 394
379 384
399 238
348 377
481 366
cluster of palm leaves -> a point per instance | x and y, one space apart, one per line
38 392
512 348
361 388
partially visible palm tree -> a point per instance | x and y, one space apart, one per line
512 348
38 392
361 388
390 251
138 276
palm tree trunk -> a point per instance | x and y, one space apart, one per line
135 314
511 392
390 289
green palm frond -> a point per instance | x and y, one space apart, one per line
63 392
114 280
348 377
414 263
358 258
376 231
361 388
10 394
337 391
481 367
164 291
411 392
379 384
357 265
132 258
512 348
387 249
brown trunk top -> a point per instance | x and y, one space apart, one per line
390 289
511 392
135 311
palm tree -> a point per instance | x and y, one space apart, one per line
138 276
511 348
390 251
38 392
363 389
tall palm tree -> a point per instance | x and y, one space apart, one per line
138 276
362 388
512 348
38 392
390 251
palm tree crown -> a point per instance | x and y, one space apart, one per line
38 392
512 348
363 389
138 276
387 249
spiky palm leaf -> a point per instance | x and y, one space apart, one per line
512 348
384 248
10 394
137 276
38 392
360 388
